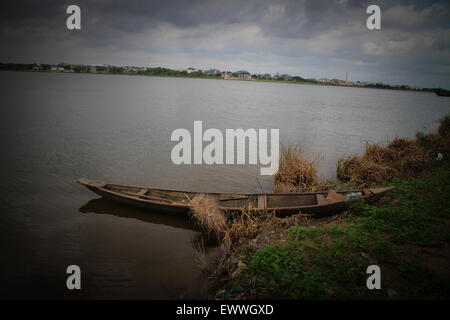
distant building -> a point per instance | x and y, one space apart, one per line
227 75
127 68
242 74
191 70
212 71
337 81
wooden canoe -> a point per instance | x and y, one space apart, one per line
315 203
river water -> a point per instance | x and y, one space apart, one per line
59 127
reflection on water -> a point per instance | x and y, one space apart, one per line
103 206
171 257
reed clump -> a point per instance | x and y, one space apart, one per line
363 170
400 158
208 216
295 172
379 163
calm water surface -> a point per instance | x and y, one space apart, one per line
58 127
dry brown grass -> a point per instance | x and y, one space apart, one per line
363 170
251 223
243 225
284 188
207 215
295 172
401 157
412 157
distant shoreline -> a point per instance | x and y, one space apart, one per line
235 79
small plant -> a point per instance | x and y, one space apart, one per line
280 271
358 207
297 232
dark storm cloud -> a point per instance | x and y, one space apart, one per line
410 18
308 37
299 17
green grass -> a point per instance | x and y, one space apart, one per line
419 215
330 261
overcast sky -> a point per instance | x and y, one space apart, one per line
309 38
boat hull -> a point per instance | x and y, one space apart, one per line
316 204
141 204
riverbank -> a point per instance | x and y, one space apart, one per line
168 73
406 233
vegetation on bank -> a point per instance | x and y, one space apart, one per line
154 72
442 92
408 238
208 74
405 233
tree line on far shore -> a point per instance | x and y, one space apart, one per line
160 71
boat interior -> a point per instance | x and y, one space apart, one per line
261 201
